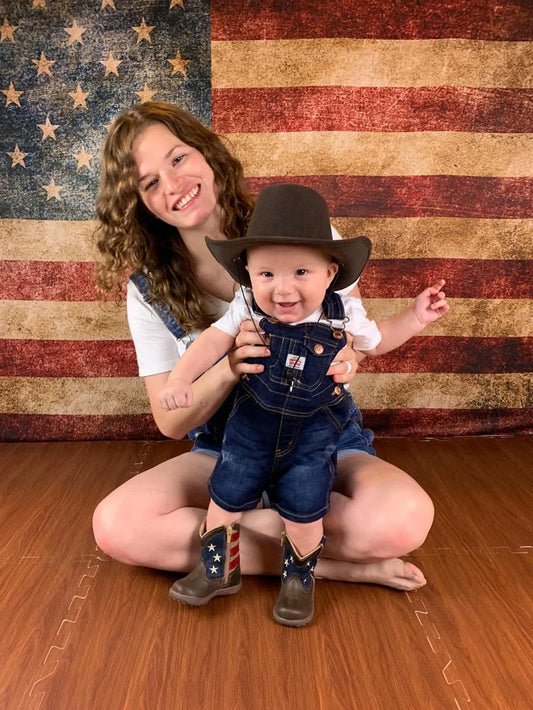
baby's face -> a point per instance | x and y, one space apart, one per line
289 282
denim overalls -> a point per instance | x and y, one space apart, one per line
283 432
208 437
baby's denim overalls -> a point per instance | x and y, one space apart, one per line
283 432
208 437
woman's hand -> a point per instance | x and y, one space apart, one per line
345 365
248 343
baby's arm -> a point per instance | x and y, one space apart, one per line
206 350
428 306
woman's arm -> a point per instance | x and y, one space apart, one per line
211 389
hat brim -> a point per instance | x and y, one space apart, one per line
352 255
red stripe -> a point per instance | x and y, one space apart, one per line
448 422
67 358
383 278
465 278
417 196
308 108
49 427
456 354
397 422
233 563
47 281
88 358
423 19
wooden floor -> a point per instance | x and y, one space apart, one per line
79 631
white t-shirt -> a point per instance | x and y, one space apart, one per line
158 350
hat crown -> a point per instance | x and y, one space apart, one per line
292 211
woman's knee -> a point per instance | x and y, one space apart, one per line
110 529
390 528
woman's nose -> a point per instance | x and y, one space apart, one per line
168 180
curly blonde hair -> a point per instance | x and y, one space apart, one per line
130 239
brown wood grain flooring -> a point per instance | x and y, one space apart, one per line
79 631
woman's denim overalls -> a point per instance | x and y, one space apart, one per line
283 432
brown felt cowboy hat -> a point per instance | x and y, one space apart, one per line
292 215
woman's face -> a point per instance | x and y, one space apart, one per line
174 180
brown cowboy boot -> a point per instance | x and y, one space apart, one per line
295 605
218 573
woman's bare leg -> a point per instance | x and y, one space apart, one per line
377 514
153 520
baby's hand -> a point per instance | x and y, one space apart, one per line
431 304
175 394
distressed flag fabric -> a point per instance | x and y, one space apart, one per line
414 120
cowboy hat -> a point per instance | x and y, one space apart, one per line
292 215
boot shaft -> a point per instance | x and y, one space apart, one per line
303 567
220 550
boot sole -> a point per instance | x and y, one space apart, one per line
202 601
292 622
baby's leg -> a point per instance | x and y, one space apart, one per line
217 516
305 537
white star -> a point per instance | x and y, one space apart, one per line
284 573
178 64
143 31
53 190
79 97
146 94
211 548
48 129
83 158
7 31
111 64
213 569
216 558
75 33
286 562
17 156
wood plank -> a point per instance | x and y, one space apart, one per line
76 624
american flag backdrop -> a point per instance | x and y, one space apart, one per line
413 119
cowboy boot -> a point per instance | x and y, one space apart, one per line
218 573
295 605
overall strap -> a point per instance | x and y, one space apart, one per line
141 282
333 308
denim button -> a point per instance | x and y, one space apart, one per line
319 349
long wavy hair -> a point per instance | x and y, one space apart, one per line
131 239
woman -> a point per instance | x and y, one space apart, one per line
167 182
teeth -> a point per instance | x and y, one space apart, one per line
188 197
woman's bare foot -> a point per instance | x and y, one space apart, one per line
394 573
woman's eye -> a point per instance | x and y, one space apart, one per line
150 184
177 159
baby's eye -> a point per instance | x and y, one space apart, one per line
301 272
266 274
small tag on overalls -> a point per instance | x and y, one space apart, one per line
293 364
